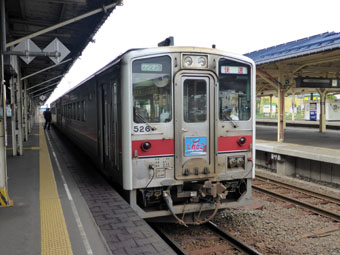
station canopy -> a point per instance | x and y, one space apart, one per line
66 26
303 66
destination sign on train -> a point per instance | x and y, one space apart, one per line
234 70
149 67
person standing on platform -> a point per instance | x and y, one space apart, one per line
48 118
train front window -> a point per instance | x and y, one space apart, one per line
234 91
195 100
151 80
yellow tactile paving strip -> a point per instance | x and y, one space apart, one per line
26 148
54 235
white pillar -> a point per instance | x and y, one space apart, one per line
19 118
293 106
25 111
3 161
4 200
13 117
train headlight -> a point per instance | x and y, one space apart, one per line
188 61
242 141
145 146
195 61
202 61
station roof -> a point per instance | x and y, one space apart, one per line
316 56
306 46
24 18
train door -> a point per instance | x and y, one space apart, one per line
103 125
194 125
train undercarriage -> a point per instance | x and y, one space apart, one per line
192 202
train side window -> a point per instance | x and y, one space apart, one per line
79 111
75 111
69 111
83 111
152 93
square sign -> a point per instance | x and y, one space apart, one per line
195 146
57 46
27 45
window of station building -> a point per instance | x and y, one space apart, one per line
234 90
152 99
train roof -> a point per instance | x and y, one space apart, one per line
139 52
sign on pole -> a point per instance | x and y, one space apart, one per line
27 45
57 46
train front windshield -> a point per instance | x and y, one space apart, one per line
151 80
234 91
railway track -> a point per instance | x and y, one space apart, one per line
319 203
231 246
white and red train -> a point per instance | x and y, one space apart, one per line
173 126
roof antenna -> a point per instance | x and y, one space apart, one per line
167 42
213 46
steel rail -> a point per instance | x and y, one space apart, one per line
172 243
299 189
232 240
318 210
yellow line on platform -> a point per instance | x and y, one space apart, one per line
25 148
54 235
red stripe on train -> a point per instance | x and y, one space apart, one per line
160 147
163 147
230 143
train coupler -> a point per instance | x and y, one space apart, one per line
214 190
197 221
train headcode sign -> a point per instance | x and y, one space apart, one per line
234 70
149 67
195 146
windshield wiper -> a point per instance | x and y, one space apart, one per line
231 120
145 121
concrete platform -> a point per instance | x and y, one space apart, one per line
300 151
61 209
306 152
302 136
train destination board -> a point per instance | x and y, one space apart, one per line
234 70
